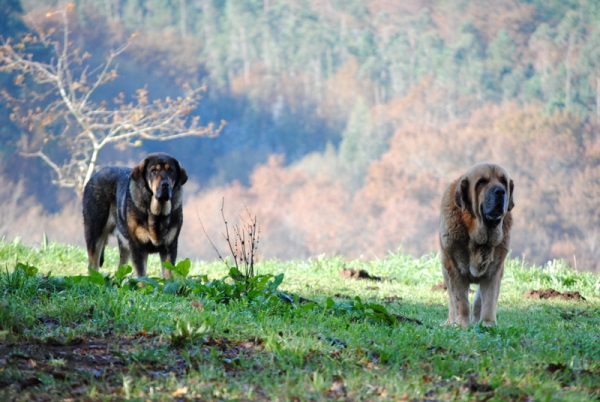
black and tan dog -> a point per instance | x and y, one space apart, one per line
141 206
475 227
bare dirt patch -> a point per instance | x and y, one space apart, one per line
402 318
75 366
347 273
474 387
552 294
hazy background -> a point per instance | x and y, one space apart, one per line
345 119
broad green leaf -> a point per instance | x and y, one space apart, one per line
234 272
180 270
29 270
329 303
97 278
276 282
123 271
149 281
168 265
77 279
377 308
172 287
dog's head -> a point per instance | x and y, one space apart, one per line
486 191
161 175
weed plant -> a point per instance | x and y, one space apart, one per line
293 331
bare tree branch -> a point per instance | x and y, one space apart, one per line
57 106
244 246
210 240
233 250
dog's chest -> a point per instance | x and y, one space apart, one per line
481 257
151 229
158 232
474 261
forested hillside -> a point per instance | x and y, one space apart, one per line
346 119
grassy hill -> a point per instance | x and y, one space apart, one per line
311 334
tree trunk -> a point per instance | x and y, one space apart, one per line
91 166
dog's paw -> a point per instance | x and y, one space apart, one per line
456 323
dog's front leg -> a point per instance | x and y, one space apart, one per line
124 252
139 259
477 305
451 305
490 290
168 254
458 294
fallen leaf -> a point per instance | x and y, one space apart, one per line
196 304
338 388
180 391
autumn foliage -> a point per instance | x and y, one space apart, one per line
307 208
347 120
550 158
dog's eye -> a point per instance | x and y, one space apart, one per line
481 182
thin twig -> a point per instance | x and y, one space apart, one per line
209 239
235 259
243 246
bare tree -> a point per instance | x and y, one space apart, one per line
58 114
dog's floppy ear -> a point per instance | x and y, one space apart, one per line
139 171
182 177
461 195
511 203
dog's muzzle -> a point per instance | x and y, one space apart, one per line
164 192
494 204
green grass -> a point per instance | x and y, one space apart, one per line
63 339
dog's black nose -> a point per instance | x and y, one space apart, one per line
165 184
499 191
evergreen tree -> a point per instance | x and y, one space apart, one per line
362 142
500 61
